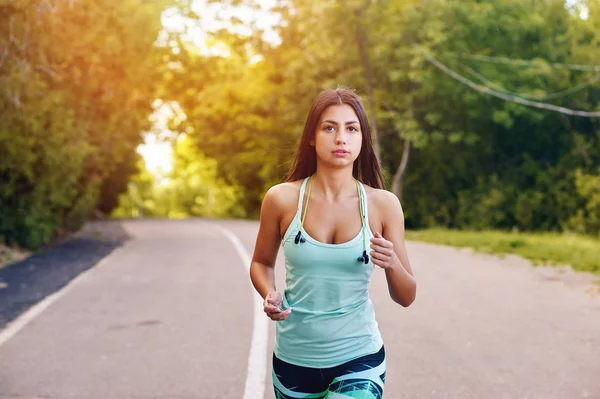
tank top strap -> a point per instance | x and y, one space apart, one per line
301 197
365 208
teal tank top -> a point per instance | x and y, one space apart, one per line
332 319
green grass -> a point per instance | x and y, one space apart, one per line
582 253
11 254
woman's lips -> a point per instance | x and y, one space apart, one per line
341 153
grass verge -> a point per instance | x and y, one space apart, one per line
11 254
582 253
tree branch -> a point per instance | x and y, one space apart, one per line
397 180
4 56
48 70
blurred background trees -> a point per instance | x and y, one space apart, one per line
79 81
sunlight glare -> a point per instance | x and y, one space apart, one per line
212 17
157 149
157 155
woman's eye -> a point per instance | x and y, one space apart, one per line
353 129
329 128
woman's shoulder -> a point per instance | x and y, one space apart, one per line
283 195
382 199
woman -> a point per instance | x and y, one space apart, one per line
327 341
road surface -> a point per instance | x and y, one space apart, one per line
171 315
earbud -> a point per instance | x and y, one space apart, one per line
299 238
364 257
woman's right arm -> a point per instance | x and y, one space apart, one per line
268 240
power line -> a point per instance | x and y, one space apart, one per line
522 62
507 97
550 96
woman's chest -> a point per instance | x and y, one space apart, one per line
332 223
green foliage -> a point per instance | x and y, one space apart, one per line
40 167
77 84
192 188
484 163
587 216
139 199
79 80
477 162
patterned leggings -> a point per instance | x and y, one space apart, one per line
361 378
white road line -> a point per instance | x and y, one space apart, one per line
257 359
20 322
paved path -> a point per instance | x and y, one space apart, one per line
170 315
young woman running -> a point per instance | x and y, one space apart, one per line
335 222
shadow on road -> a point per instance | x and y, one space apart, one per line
27 282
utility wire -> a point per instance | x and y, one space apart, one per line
550 96
517 61
507 97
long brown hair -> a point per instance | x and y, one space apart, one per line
366 168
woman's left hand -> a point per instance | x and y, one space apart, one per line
382 252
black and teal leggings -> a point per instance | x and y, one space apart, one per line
362 378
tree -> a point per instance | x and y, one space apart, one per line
76 92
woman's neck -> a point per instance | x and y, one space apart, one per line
333 184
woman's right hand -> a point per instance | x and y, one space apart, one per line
272 306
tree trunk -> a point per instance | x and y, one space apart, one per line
364 57
397 182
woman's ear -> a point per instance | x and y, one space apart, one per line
312 143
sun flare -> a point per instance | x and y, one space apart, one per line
157 155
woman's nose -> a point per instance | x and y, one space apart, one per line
340 138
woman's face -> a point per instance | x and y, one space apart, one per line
338 138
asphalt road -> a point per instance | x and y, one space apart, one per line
170 314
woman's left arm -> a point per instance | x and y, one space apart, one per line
389 251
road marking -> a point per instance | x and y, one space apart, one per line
20 322
257 359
